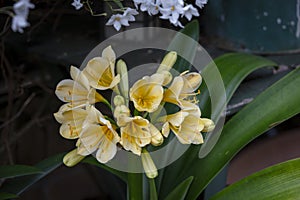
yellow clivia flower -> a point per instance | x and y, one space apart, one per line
185 126
98 135
100 71
147 93
77 92
182 88
71 120
135 133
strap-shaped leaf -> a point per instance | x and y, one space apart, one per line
19 184
10 171
281 181
93 161
275 105
5 195
181 190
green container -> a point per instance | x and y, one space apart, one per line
263 26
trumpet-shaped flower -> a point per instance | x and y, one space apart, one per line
147 93
98 135
102 139
135 133
182 88
77 92
100 71
71 120
185 126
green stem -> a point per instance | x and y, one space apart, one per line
153 193
135 186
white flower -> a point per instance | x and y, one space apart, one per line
129 14
18 23
117 21
201 3
153 8
21 9
171 9
190 11
77 4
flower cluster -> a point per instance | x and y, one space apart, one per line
131 129
171 10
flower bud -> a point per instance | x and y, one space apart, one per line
167 77
119 100
120 111
208 125
156 137
192 81
122 70
72 158
148 164
167 62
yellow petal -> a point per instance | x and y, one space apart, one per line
107 150
208 125
79 77
190 131
192 82
72 158
100 74
156 137
165 129
70 130
147 93
191 108
176 119
109 54
172 94
71 91
129 144
91 137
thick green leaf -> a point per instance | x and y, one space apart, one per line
4 195
9 171
185 45
233 67
135 186
181 190
20 184
93 161
275 105
281 181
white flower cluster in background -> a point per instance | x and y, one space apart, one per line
21 12
171 10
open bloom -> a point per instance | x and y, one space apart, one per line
100 71
77 4
147 93
187 127
71 120
171 10
98 135
77 92
21 9
182 89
